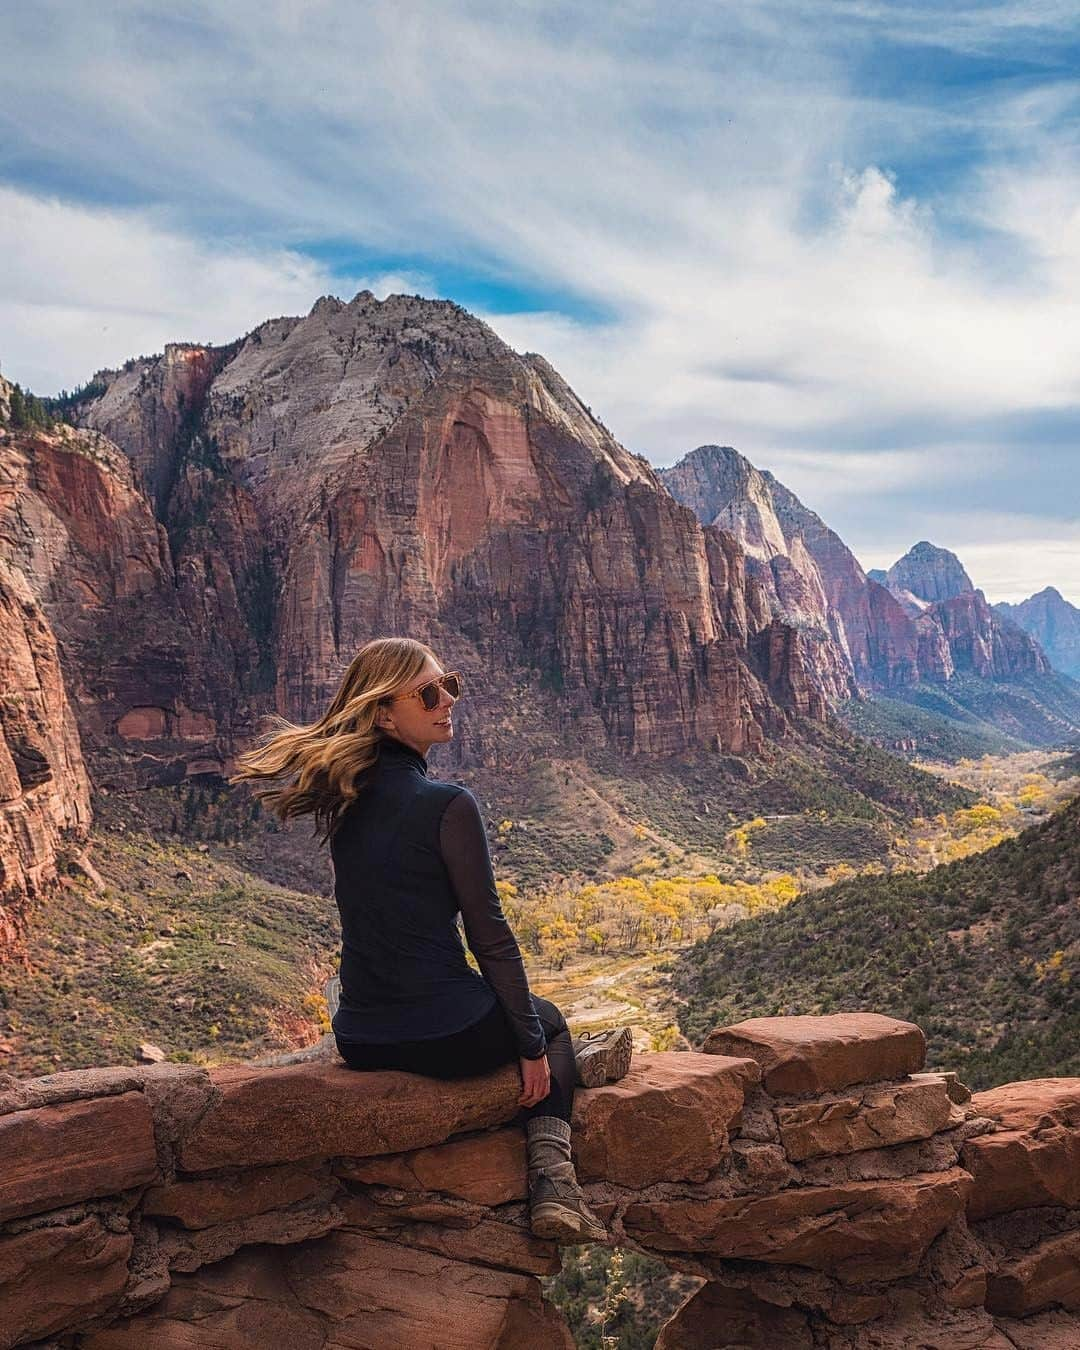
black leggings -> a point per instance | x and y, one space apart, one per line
479 1049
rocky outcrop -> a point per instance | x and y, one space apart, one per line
158 661
822 1187
858 634
929 573
1053 623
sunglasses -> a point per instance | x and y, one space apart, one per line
428 694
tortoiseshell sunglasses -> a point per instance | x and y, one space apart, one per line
428 694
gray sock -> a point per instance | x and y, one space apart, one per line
547 1142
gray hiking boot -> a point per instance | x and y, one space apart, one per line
558 1210
557 1206
603 1056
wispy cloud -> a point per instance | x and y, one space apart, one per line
788 225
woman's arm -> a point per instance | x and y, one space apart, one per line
465 852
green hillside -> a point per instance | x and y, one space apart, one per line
946 734
983 953
970 715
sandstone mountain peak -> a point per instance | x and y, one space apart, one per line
724 489
298 403
930 573
1053 622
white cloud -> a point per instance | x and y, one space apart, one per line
88 288
714 179
1008 556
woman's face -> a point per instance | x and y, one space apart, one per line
410 722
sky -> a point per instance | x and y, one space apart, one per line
842 237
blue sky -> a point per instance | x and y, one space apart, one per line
843 237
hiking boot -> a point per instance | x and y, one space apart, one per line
332 993
557 1206
603 1056
558 1211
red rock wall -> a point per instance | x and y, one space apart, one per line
824 1189
394 467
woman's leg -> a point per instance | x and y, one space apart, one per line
557 1205
478 1049
560 1052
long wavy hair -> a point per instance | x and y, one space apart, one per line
331 757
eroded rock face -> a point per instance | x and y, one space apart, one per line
58 1154
333 1293
719 1316
44 788
668 1120
930 573
54 1277
863 1231
265 1116
890 1113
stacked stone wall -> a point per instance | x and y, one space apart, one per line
824 1188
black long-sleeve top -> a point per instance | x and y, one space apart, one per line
408 855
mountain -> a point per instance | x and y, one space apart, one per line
1054 624
918 636
225 526
984 952
857 631
929 573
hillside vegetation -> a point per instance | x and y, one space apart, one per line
984 953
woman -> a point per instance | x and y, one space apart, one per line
409 853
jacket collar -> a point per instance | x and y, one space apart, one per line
393 751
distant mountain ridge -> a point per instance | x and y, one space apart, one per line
905 634
1053 622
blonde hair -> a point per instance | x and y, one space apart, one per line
330 755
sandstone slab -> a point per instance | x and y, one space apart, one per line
264 1116
202 1204
860 1231
468 1235
668 1120
1044 1277
54 1155
1034 1157
958 1092
59 1277
878 1116
346 1291
820 1054
20 1094
1043 1331
488 1169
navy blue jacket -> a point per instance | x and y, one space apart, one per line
408 855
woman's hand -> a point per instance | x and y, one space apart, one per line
535 1079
